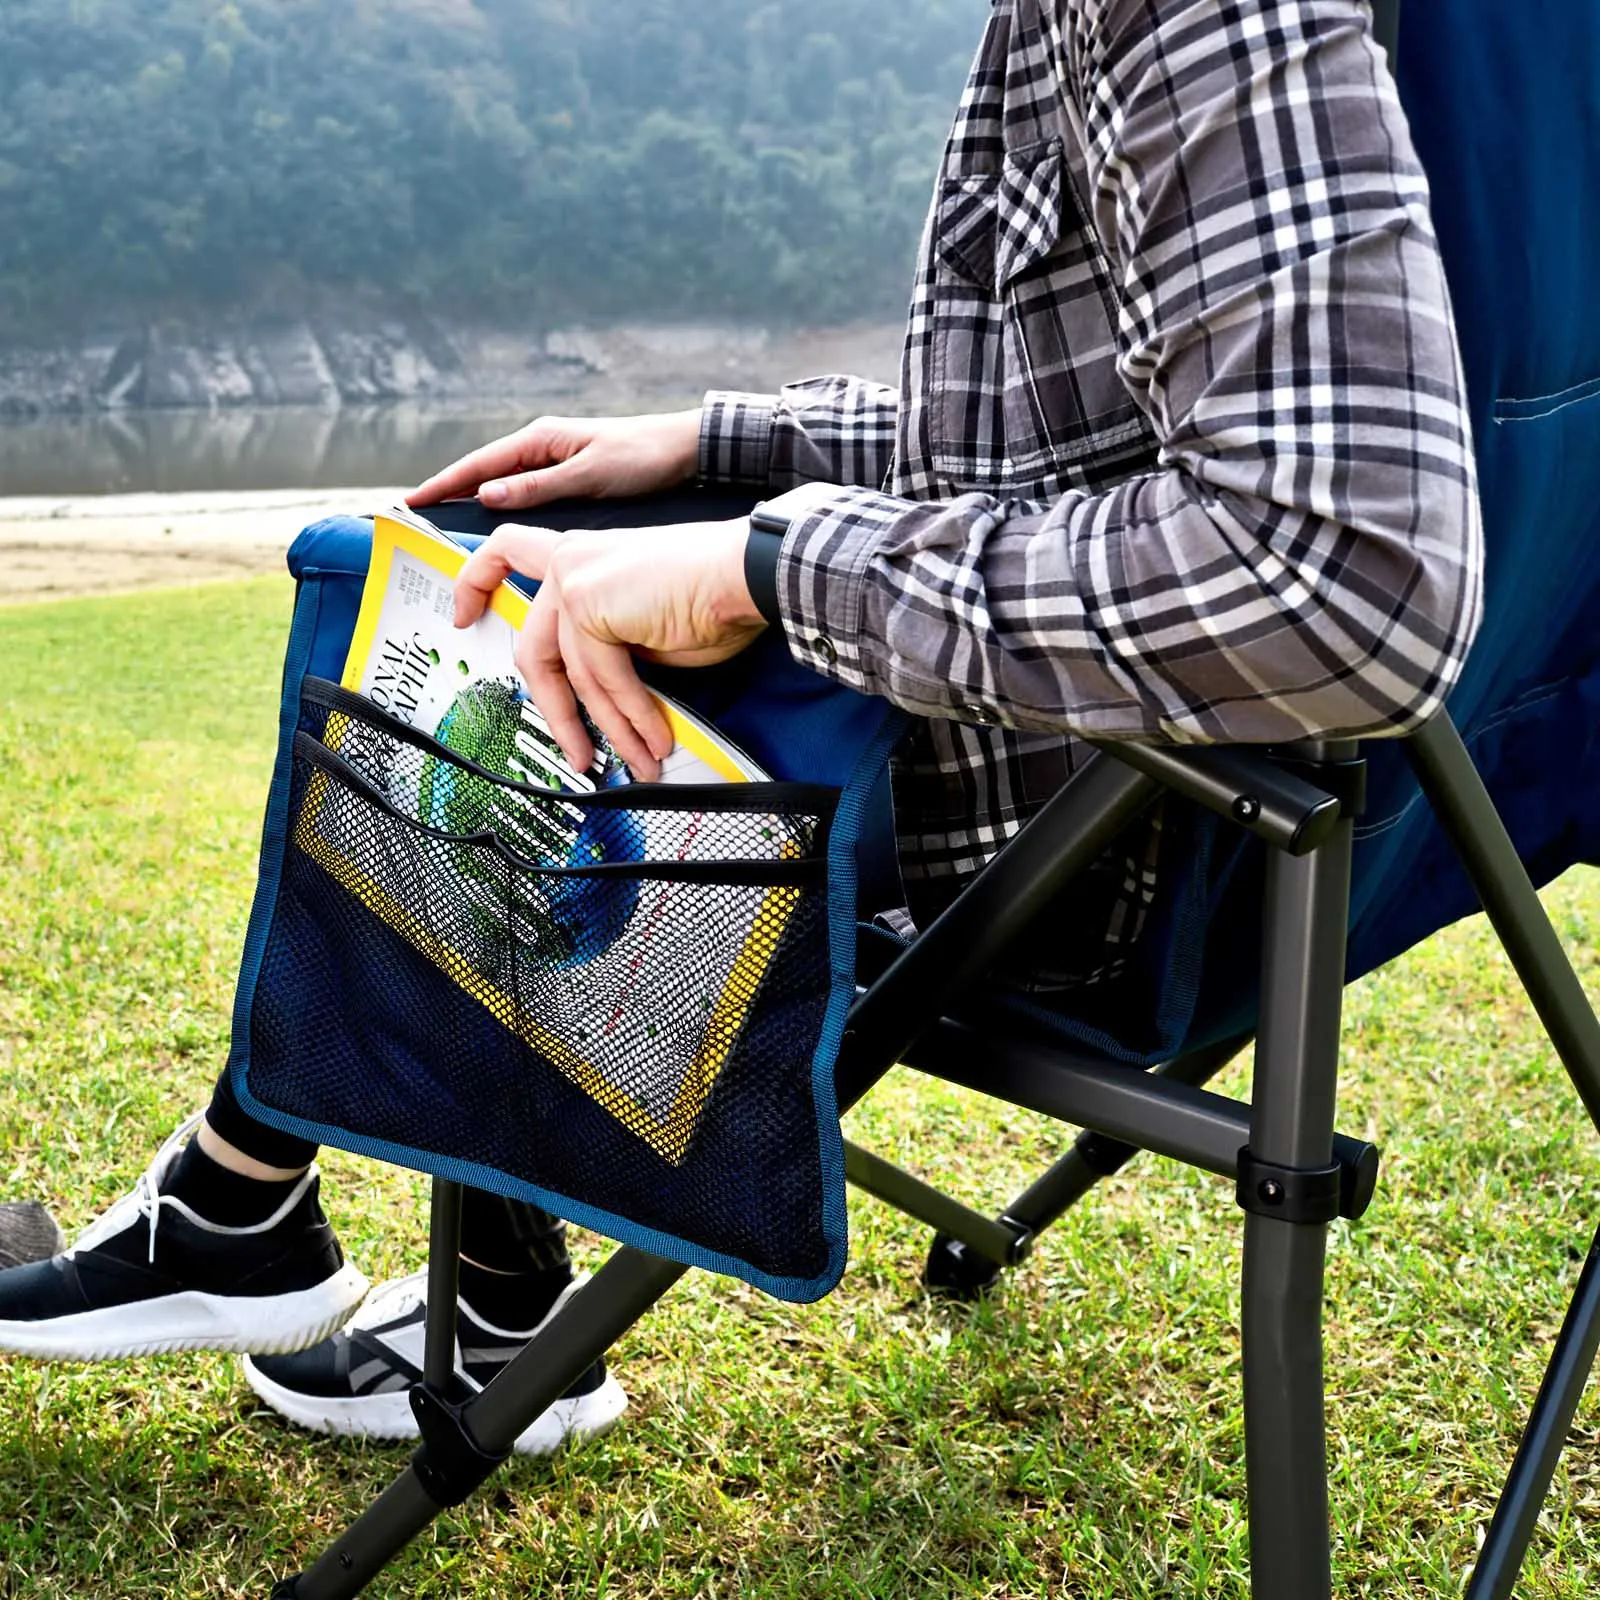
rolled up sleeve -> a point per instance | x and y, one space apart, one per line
821 430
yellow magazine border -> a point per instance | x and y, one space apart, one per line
390 534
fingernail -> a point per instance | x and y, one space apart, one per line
493 494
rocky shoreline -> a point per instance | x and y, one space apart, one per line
290 361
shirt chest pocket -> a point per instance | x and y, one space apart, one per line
1025 387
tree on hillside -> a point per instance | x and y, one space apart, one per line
564 157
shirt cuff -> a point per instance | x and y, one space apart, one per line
736 438
822 570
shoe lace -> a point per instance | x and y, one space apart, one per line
144 1199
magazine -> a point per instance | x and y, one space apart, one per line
588 948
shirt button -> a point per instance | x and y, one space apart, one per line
823 645
976 714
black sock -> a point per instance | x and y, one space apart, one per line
511 1235
229 1199
270 1146
515 1301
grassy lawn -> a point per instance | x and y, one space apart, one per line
1079 1434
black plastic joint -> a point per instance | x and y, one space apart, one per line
1346 781
1104 1156
1290 1194
1022 1237
450 1464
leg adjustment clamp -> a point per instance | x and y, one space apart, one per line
1022 1237
1289 1194
1346 781
450 1464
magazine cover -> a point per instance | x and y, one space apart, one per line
461 687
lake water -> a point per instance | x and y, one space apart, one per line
247 448
620 370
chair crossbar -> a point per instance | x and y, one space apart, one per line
1243 784
1152 1111
1000 1240
1094 1156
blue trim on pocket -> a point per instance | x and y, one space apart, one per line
274 831
842 872
668 1246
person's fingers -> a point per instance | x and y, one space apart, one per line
572 479
511 453
614 669
538 659
604 679
508 549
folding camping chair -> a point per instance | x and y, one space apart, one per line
1321 857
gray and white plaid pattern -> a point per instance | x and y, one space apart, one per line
1181 447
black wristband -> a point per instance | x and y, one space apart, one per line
761 551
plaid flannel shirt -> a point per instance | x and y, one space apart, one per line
1180 448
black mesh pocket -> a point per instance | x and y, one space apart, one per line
612 997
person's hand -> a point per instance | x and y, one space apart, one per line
562 458
676 595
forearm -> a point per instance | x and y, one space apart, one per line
1163 608
823 430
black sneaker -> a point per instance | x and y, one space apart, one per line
152 1275
358 1382
27 1233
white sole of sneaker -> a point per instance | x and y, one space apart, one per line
389 1416
263 1325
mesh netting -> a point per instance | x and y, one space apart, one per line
614 998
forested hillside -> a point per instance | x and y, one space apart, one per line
558 158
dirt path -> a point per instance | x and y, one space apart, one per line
50 549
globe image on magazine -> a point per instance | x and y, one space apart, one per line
561 920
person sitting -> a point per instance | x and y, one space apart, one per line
1180 451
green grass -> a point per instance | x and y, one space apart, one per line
1078 1435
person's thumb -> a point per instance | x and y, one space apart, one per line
567 480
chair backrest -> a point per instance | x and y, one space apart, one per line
1504 105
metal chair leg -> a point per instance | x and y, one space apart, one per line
444 1282
1511 1532
1284 1187
1467 814
446 1469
